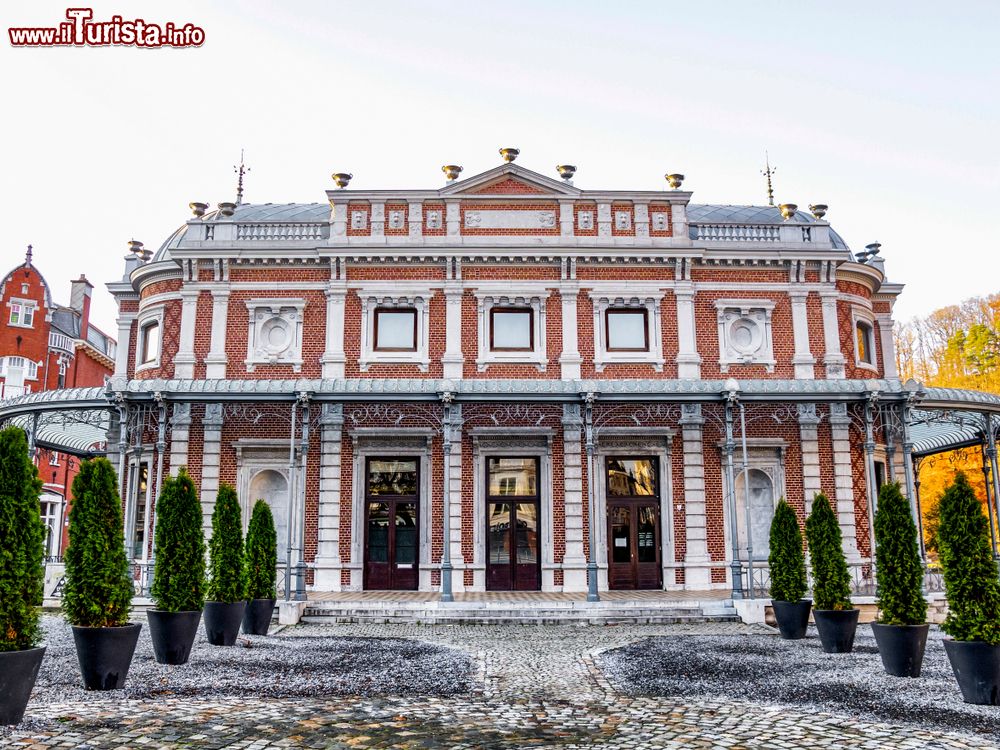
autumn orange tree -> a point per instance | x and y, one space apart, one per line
954 347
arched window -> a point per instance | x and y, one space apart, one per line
149 342
271 487
865 343
761 513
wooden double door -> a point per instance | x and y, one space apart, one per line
392 506
513 522
633 507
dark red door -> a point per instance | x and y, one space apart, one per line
513 560
391 528
634 560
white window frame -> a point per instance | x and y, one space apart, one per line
759 311
53 536
537 355
143 319
29 366
286 310
24 305
861 315
372 299
651 303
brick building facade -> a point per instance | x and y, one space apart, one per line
47 346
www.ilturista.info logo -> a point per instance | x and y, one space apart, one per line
81 31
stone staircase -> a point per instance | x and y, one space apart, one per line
541 612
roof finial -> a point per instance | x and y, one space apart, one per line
767 173
27 257
241 170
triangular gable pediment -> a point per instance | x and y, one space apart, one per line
510 179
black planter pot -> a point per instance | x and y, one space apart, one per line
977 668
172 634
222 622
901 647
18 672
105 654
257 617
836 629
792 617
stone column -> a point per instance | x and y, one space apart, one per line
212 425
809 434
455 485
688 359
328 538
125 321
453 360
803 360
180 429
833 359
334 358
574 560
184 359
216 361
697 571
843 479
570 358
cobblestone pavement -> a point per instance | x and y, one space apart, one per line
535 687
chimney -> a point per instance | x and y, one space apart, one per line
79 300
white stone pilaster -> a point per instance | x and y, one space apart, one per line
125 321
803 360
328 539
211 445
455 486
809 435
570 358
180 431
574 559
333 359
843 479
688 359
216 361
566 219
697 573
453 361
884 321
834 358
184 359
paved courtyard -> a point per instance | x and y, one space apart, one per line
483 687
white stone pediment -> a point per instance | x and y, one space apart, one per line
539 185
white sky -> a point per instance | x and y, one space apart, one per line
888 111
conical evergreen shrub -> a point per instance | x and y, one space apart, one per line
970 573
227 577
98 589
262 553
831 579
786 560
22 544
899 571
179 573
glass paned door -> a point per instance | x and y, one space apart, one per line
513 558
634 549
391 528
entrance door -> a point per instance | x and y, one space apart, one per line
634 559
513 559
391 504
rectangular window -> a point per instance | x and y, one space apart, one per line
139 522
22 314
879 476
512 329
631 477
392 476
395 329
627 330
513 477
149 348
864 334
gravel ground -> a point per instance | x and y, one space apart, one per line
767 669
265 667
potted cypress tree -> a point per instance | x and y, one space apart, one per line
98 592
901 630
227 579
22 574
787 564
973 591
262 570
179 575
836 619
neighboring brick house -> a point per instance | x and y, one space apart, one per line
46 346
499 361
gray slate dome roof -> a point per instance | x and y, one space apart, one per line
720 214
